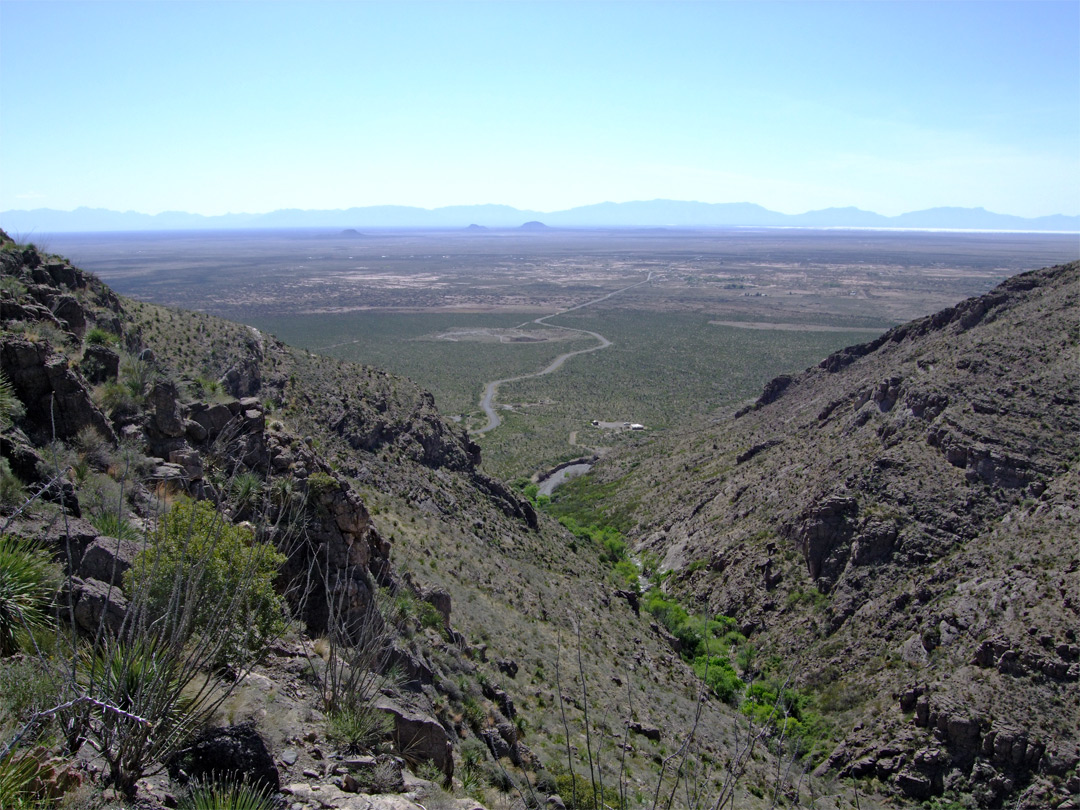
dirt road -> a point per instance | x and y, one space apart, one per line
491 389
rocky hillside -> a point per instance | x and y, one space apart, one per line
902 521
509 660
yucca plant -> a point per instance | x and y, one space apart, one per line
357 728
113 525
215 795
20 783
146 709
28 581
11 407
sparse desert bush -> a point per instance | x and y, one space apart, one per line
12 285
499 778
24 689
581 793
114 398
94 448
352 669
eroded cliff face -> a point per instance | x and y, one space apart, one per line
902 521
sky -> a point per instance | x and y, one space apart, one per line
250 107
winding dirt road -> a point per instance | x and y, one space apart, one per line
491 389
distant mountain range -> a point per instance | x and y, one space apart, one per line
641 214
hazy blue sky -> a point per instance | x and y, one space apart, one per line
254 106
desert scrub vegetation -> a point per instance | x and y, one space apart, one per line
200 610
578 506
351 666
196 555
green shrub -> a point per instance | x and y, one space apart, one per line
320 483
580 793
115 398
124 673
788 710
137 376
197 554
429 616
719 676
143 704
627 575
473 754
12 491
28 581
811 596
96 336
245 489
744 659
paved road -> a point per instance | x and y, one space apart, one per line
548 485
491 389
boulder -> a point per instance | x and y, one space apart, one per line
496 744
107 558
65 537
211 418
163 402
914 784
229 752
70 311
99 364
419 736
97 604
190 461
439 599
822 533
58 404
646 731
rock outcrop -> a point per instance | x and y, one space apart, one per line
916 536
